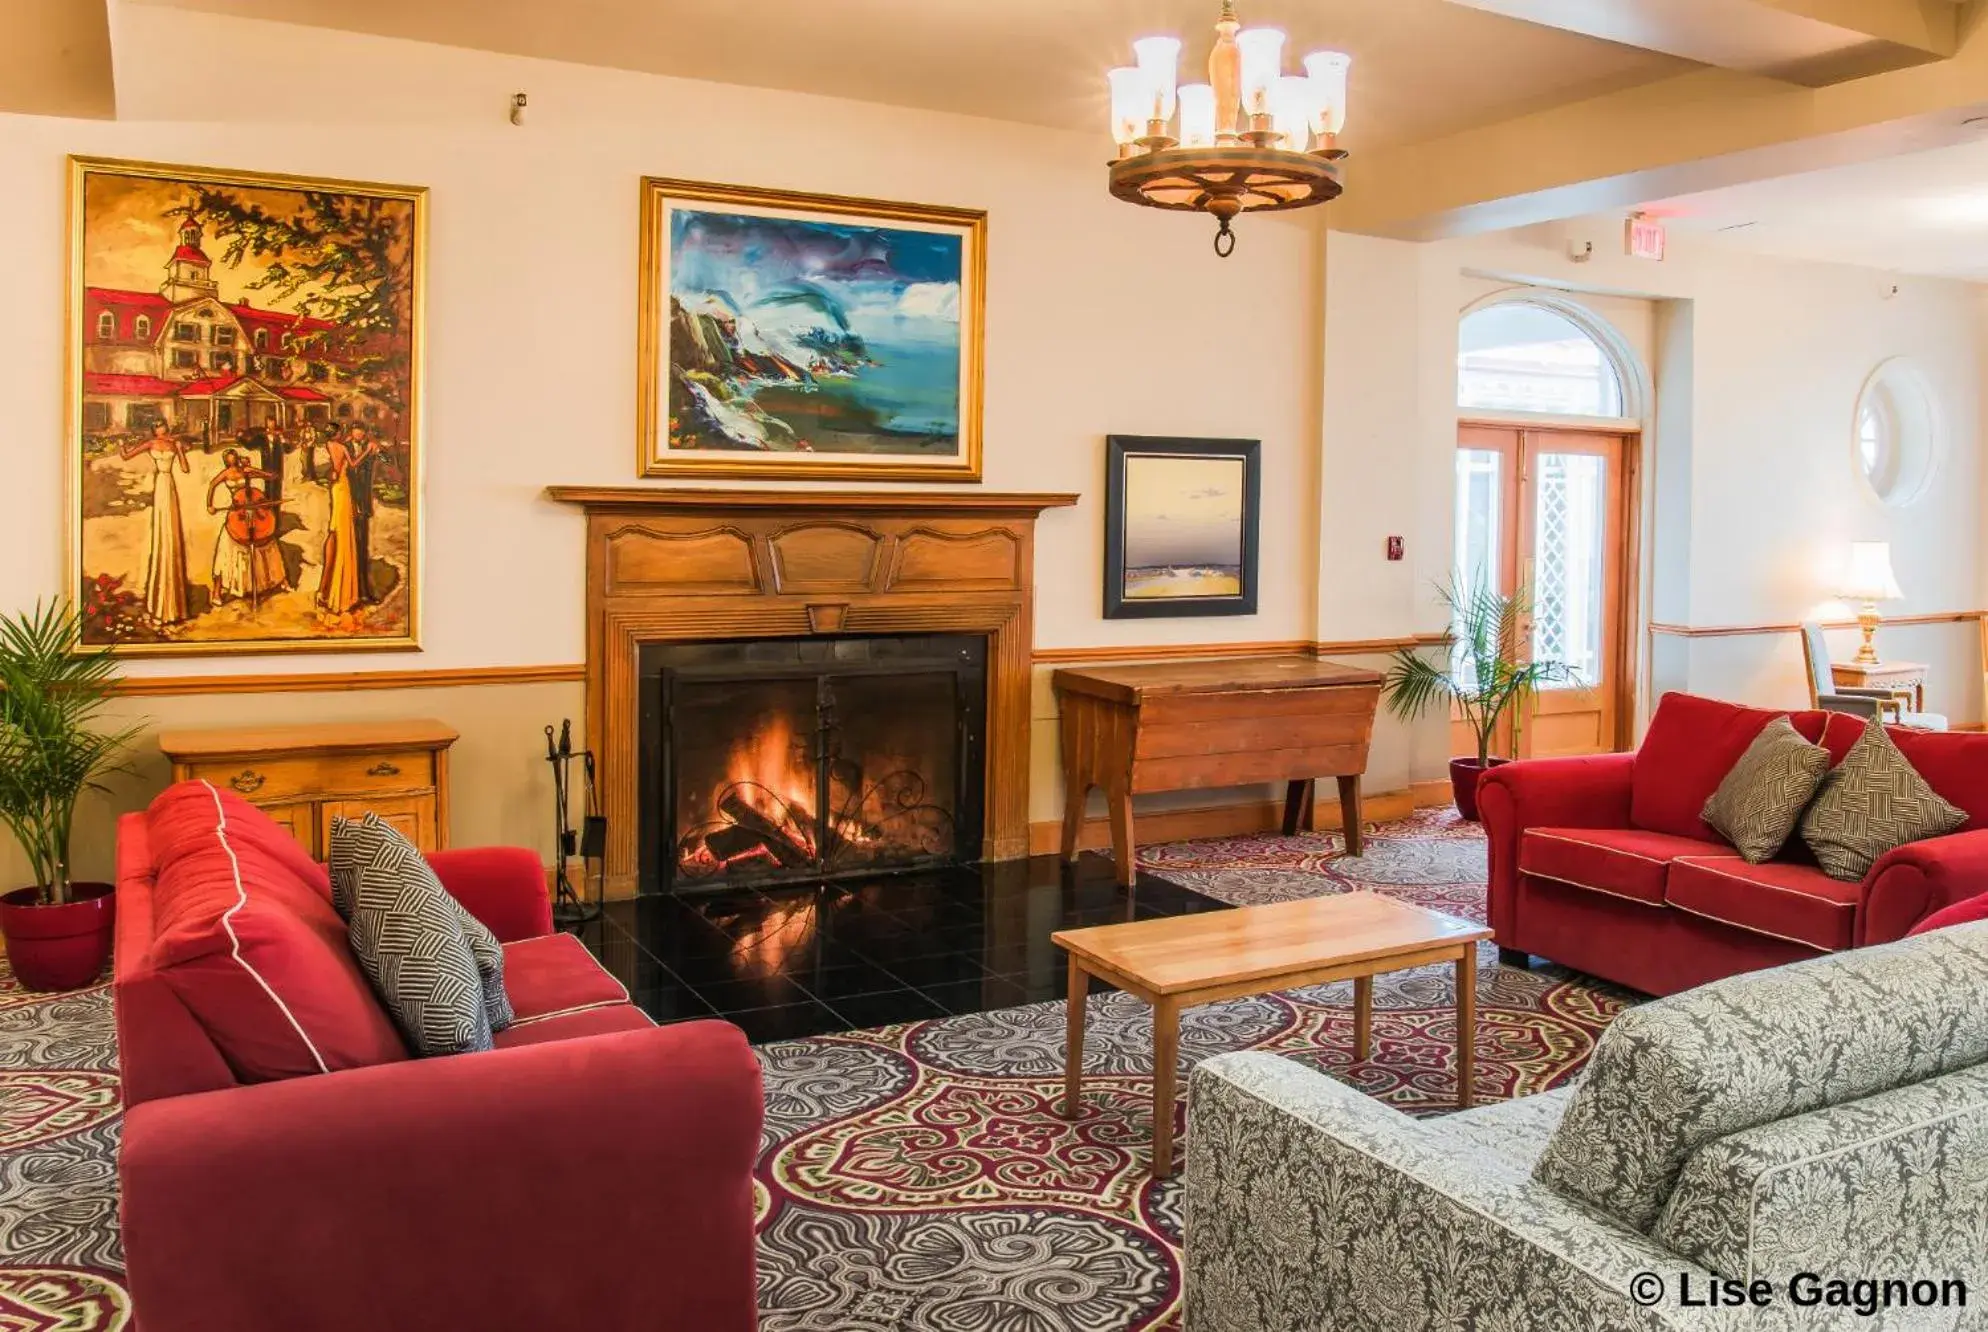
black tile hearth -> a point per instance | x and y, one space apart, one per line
802 960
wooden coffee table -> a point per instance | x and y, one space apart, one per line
1179 961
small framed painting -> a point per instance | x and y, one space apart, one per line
1180 526
808 336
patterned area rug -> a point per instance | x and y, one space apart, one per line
915 1178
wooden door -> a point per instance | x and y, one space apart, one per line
413 816
1551 509
300 821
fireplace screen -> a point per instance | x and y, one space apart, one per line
808 759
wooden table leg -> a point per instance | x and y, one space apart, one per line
1073 1048
1121 835
1166 1052
1466 1025
1363 1018
1349 815
1076 792
1294 806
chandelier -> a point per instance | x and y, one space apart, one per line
1245 139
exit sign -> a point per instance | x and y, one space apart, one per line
1643 238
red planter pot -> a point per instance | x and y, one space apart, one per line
59 947
1464 773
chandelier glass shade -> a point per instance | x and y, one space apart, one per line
1251 139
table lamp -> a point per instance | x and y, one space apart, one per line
1868 581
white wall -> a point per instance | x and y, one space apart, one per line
1757 362
1101 318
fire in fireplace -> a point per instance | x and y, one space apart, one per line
783 759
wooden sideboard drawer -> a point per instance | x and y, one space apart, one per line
305 776
265 779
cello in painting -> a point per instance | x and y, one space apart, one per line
248 563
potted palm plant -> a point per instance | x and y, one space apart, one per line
52 696
1479 673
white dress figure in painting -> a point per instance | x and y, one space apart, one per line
165 557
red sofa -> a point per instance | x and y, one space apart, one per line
286 1164
1602 863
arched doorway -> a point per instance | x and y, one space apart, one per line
1549 403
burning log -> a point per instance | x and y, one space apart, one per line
749 826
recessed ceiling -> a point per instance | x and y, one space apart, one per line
1421 67
1914 213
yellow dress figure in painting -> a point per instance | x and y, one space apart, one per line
339 574
165 555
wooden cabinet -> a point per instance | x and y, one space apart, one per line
1170 727
306 776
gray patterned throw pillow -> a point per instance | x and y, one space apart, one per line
1761 800
1874 801
407 933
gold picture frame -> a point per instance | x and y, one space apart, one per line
793 356
293 373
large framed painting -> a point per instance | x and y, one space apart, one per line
245 410
808 336
1180 526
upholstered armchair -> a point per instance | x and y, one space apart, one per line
1860 701
1828 1117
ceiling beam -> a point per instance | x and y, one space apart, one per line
1697 131
56 59
1811 42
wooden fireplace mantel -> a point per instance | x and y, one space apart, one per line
674 565
652 499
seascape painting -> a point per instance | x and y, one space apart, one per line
245 372
1181 519
807 336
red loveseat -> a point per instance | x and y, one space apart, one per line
1603 864
286 1164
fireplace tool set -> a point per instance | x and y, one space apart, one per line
587 843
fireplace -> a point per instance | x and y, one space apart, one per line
688 567
785 759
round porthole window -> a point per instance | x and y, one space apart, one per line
1896 445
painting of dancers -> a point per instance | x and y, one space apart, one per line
245 394
799 335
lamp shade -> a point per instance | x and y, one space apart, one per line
1869 576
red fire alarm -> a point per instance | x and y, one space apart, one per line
1394 548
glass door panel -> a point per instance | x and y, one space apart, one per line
1570 564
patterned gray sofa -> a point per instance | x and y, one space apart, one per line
1824 1120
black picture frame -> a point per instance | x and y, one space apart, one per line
1122 455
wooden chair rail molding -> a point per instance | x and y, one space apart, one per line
463 677
441 677
1743 630
1354 647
